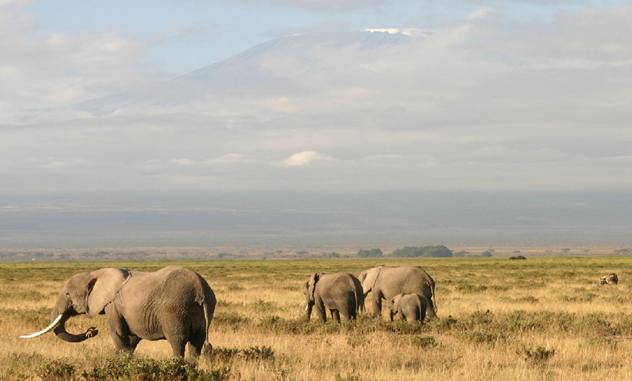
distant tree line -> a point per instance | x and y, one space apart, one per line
370 253
431 251
439 251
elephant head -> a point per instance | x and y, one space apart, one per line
368 279
393 305
308 291
84 293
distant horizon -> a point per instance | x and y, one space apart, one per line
300 219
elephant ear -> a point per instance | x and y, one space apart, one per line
102 288
312 285
369 277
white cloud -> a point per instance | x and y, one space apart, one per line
43 69
487 103
300 159
183 161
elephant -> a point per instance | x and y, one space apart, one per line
173 303
409 307
611 278
387 282
341 293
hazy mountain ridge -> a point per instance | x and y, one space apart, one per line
245 73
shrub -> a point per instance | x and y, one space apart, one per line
423 341
538 356
517 257
231 319
348 377
263 306
56 370
423 251
224 355
258 353
370 253
130 368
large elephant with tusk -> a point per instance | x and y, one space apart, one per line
172 303
386 282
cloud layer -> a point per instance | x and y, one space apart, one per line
490 102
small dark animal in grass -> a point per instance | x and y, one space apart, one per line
611 278
172 303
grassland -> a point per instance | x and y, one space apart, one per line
534 319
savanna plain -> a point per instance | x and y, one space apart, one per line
499 319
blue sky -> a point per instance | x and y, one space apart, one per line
185 35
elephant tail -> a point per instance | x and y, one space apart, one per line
208 302
434 300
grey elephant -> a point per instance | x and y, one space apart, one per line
387 282
409 307
172 303
340 293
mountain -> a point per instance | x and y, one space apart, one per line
276 68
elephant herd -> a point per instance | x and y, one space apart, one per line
408 289
177 304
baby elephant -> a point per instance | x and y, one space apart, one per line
410 307
340 293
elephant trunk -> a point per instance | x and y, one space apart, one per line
60 332
64 309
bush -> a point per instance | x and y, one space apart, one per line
263 306
348 377
258 353
56 370
517 257
423 251
224 355
131 368
370 253
231 319
424 342
538 356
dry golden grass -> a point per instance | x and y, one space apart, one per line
537 319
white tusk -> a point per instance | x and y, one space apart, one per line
47 329
306 307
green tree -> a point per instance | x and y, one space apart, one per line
423 251
370 253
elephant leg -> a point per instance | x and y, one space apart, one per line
119 331
376 303
133 341
178 345
178 329
320 308
335 314
196 342
427 293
